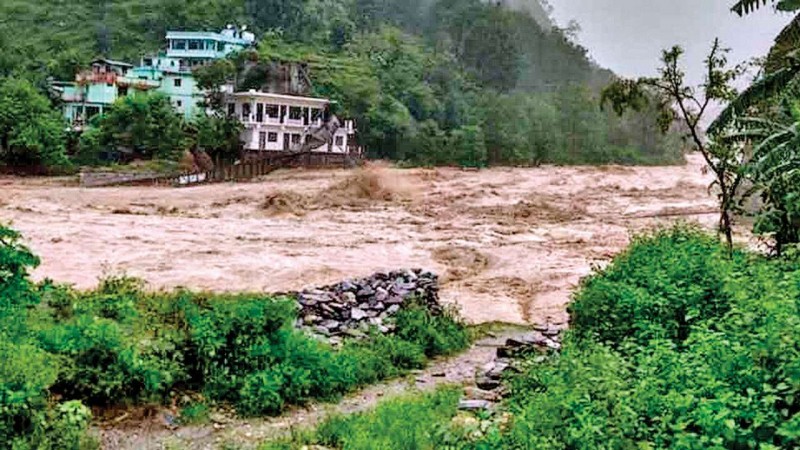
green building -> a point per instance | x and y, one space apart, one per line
186 50
97 88
168 71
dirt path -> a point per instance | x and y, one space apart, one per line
511 243
154 433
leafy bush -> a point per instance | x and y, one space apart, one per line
727 378
32 134
146 125
665 283
436 335
119 344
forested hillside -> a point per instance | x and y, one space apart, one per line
428 81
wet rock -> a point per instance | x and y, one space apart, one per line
364 303
479 394
349 297
357 314
475 405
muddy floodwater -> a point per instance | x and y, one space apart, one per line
510 244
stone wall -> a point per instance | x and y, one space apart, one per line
352 307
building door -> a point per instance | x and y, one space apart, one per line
286 141
262 140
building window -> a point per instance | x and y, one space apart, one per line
220 47
295 113
245 112
148 62
273 111
179 45
316 114
296 138
339 141
272 137
178 103
231 109
259 112
195 44
262 140
177 82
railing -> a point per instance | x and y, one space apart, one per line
237 172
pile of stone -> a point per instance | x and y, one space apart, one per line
353 307
542 340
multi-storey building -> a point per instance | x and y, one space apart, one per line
168 72
186 50
276 122
97 88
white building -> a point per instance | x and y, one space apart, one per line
277 122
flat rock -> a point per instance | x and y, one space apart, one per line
357 314
475 405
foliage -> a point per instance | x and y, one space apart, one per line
218 136
676 99
410 422
119 344
730 381
663 285
31 132
743 7
675 346
772 172
16 289
139 125
418 76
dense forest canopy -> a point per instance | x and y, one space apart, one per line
428 81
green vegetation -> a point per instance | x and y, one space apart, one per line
462 82
414 422
674 345
31 132
752 146
145 126
119 344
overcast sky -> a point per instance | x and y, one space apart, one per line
627 36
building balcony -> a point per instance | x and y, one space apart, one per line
199 54
251 122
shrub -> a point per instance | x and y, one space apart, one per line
26 373
730 380
16 289
119 344
436 334
665 283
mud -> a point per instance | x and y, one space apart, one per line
511 243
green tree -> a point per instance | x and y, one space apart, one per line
143 126
32 133
218 136
691 104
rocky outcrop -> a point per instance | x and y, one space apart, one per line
352 307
